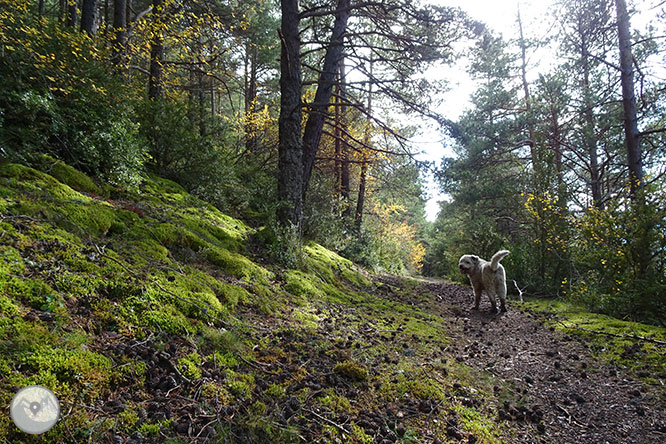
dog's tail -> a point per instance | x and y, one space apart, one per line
497 257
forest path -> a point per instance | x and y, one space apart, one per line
556 379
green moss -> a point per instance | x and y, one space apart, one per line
326 264
153 429
50 199
71 373
306 319
240 384
258 408
484 429
237 265
127 418
413 383
614 340
337 403
11 261
160 186
275 392
167 319
32 292
7 307
302 285
68 175
225 359
212 390
352 370
359 436
190 365
147 250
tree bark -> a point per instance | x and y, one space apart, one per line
72 13
588 127
155 82
360 202
250 96
526 91
120 33
290 147
629 101
319 107
89 17
344 151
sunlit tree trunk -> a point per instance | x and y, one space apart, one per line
360 201
629 100
319 107
250 96
290 147
588 127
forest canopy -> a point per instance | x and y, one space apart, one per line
298 117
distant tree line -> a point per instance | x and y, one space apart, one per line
284 113
567 170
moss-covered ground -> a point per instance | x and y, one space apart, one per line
638 347
154 317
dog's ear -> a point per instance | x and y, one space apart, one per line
475 259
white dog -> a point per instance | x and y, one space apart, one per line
487 276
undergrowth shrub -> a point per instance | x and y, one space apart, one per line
620 257
57 97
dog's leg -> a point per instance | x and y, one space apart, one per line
477 296
491 296
501 292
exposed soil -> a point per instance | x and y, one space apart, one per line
572 396
548 386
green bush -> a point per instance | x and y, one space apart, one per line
58 98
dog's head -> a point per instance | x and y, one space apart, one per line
467 263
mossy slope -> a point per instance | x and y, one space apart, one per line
149 314
86 270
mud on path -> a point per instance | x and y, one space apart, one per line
557 383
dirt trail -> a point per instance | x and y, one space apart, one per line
577 398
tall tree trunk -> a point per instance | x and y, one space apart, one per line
155 82
526 92
344 149
319 107
290 147
250 96
72 13
556 147
89 17
629 100
589 124
360 202
40 9
120 33
62 11
201 93
105 17
338 140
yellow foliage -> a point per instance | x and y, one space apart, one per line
396 232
